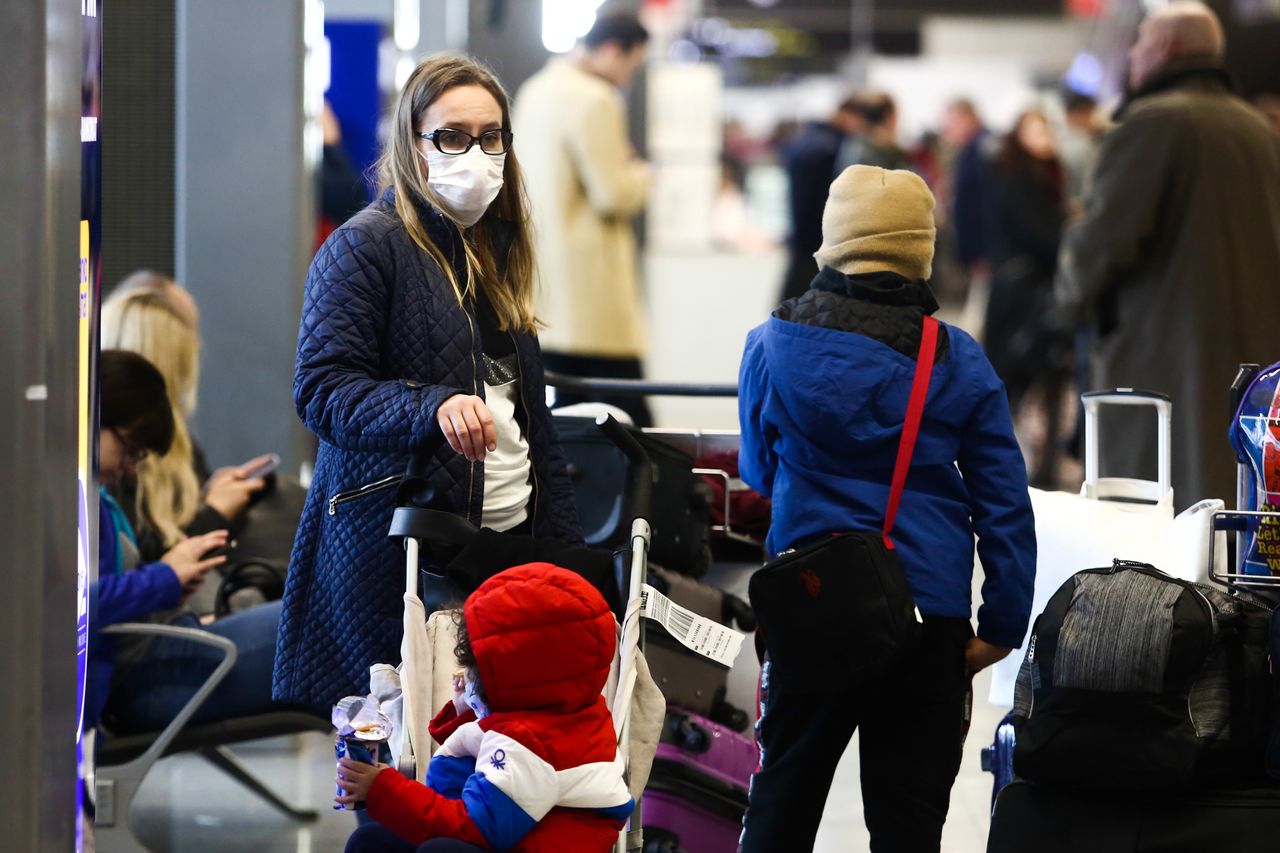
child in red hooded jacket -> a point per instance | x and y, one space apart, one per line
532 764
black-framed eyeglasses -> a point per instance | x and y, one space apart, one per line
447 140
132 452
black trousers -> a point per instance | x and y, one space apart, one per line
594 367
913 722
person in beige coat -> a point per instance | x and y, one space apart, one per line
1173 269
585 187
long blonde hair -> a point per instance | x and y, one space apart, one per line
140 316
401 168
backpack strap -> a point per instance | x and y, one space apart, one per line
911 428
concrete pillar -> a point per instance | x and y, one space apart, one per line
41 64
247 149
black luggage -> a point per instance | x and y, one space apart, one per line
1030 817
258 554
1273 742
1135 681
689 680
681 506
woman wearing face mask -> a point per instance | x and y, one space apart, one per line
417 318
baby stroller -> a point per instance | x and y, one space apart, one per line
438 538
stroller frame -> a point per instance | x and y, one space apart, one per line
418 522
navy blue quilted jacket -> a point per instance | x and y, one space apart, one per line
382 343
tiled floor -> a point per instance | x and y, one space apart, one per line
187 806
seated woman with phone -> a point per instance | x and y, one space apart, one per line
173 494
138 683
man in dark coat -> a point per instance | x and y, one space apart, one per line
963 131
1174 267
809 159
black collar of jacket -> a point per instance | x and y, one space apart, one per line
1179 73
882 288
883 306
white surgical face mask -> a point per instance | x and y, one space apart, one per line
466 184
474 700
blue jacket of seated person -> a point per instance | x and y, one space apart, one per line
382 344
119 596
823 392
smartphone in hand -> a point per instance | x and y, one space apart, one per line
270 463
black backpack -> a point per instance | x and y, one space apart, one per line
1137 681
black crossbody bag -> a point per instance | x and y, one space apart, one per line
840 609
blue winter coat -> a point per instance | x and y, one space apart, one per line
823 393
119 597
382 343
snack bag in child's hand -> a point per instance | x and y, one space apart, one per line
362 730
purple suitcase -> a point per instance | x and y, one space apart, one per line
697 790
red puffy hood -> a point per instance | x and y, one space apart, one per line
543 638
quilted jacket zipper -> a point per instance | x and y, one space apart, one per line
1031 662
364 491
475 392
528 415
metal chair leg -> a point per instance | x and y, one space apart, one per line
227 761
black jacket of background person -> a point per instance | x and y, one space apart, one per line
968 217
810 161
1024 221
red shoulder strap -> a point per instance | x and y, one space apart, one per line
911 428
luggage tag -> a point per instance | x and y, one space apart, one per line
708 638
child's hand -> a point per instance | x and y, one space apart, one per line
459 690
978 655
356 778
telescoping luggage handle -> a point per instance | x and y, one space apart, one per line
1096 487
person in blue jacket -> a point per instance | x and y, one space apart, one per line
823 393
417 320
137 683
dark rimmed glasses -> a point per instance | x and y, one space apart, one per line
447 140
132 452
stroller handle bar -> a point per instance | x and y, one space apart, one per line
641 474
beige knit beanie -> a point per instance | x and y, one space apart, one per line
877 220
